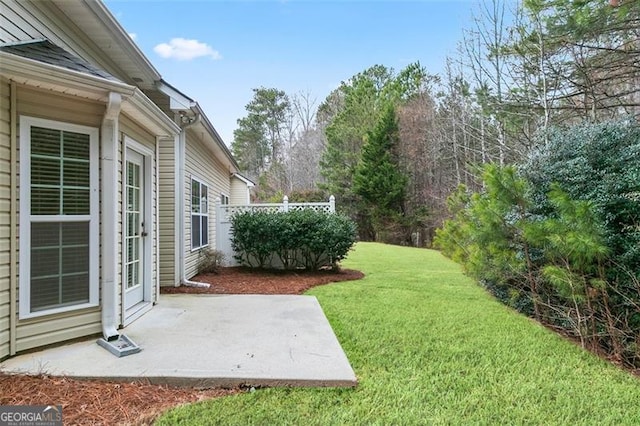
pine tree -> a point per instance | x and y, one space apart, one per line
378 179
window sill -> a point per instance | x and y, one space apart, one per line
199 248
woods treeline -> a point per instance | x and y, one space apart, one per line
524 152
516 74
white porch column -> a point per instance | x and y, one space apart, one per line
109 216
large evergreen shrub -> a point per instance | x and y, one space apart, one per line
601 164
291 240
560 237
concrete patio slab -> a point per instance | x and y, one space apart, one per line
209 341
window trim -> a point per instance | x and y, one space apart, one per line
26 123
224 197
200 214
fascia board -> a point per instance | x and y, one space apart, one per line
178 100
217 140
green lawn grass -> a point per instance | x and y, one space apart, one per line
429 346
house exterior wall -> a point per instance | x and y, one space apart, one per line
5 218
23 20
48 329
201 164
167 220
239 192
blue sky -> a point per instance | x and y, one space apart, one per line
218 51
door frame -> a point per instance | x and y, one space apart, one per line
130 315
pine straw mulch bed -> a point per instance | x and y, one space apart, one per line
91 402
240 280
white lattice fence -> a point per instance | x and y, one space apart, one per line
224 212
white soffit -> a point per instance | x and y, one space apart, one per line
96 21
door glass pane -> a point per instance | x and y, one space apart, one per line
135 249
135 198
135 273
133 216
132 225
129 276
133 174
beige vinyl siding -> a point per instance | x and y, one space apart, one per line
58 328
239 192
5 217
4 323
41 331
17 22
201 163
167 220
129 128
45 104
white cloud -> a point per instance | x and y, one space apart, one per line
184 50
133 36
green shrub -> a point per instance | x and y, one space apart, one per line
599 163
210 261
291 240
252 238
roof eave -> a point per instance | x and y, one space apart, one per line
178 100
142 108
35 73
244 179
234 167
74 83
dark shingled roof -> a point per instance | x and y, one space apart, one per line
49 53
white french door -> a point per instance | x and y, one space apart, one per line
135 230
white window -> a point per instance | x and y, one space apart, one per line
224 199
199 214
58 217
